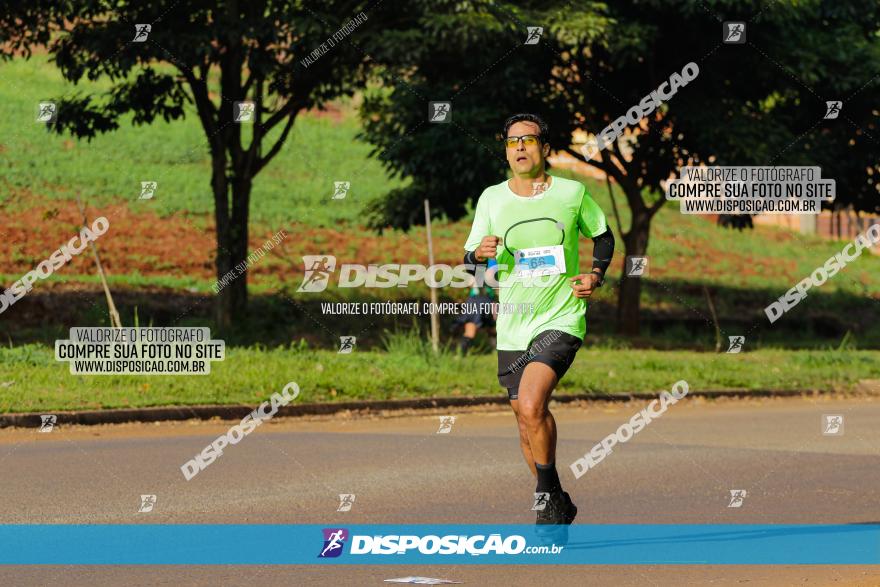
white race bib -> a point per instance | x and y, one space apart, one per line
540 261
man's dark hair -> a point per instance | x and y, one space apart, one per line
544 130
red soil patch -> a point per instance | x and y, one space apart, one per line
184 246
331 111
143 242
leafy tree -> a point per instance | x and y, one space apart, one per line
751 104
208 54
758 103
473 54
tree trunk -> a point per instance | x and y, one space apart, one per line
232 245
635 244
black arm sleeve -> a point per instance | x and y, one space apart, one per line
470 258
603 249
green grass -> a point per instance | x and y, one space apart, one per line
296 185
744 271
136 280
31 380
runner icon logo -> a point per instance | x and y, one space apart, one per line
534 34
46 112
346 344
346 500
736 343
636 266
538 188
141 32
446 423
318 269
334 541
340 189
440 111
832 424
832 109
540 501
737 496
147 503
244 111
148 190
47 423
734 33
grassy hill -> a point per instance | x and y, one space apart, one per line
166 245
297 186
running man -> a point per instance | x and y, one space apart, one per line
479 300
529 225
319 272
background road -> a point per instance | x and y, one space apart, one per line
680 469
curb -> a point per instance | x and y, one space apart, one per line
237 412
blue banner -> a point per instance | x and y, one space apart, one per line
612 544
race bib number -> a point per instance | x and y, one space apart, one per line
540 261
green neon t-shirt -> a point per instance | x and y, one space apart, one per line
554 217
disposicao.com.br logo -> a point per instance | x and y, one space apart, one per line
452 544
319 270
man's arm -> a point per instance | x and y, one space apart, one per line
477 249
603 251
470 258
592 224
481 255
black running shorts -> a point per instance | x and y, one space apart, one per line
554 348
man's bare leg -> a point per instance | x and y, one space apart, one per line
535 387
537 439
524 438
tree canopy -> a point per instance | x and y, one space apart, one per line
761 102
246 69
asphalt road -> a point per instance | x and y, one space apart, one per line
680 469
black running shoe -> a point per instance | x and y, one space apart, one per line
571 510
558 511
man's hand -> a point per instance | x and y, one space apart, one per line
584 284
487 248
